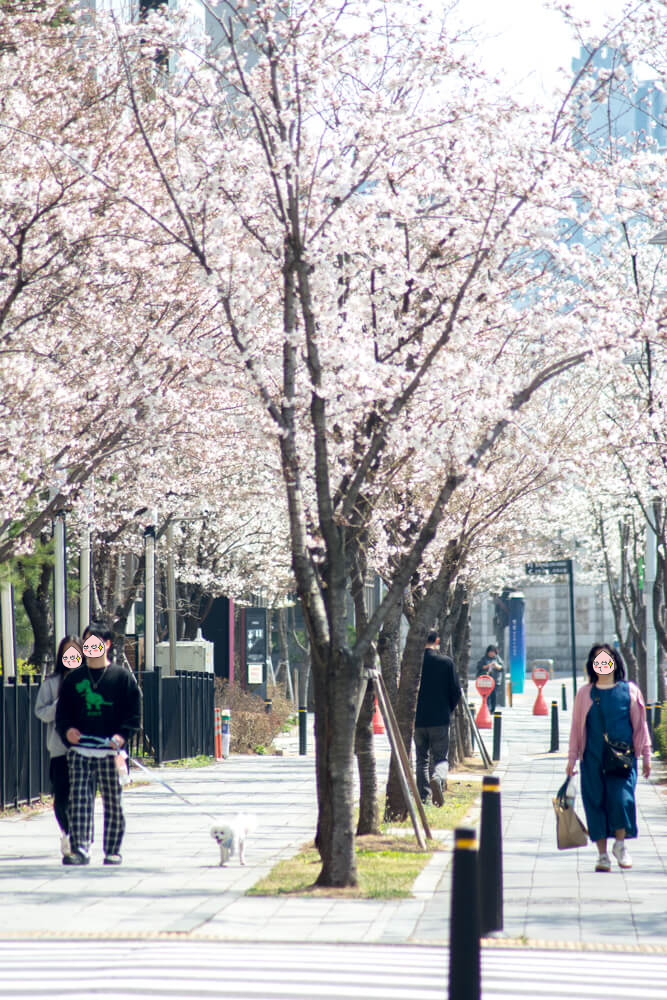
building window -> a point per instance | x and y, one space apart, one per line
539 612
145 6
582 613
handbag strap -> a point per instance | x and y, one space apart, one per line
604 724
562 791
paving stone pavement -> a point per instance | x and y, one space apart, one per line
170 882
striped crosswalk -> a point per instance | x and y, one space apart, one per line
176 969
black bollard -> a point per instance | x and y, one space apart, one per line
554 727
491 858
563 694
497 725
657 714
464 959
303 722
268 705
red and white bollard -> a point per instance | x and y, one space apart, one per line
378 724
540 677
485 685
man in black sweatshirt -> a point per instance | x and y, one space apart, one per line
98 703
439 693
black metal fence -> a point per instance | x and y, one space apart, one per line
24 759
177 722
177 715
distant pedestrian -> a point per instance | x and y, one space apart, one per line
613 705
439 694
98 703
69 657
491 664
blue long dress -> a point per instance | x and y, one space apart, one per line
609 802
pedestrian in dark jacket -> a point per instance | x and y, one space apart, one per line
439 693
97 712
491 664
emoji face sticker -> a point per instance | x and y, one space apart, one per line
93 647
72 658
603 662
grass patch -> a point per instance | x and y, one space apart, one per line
386 867
459 799
202 760
387 864
25 809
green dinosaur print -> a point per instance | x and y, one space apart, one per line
94 701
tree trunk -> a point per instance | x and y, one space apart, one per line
197 604
337 678
364 748
455 636
426 609
283 650
389 651
37 607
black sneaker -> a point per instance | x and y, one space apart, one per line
77 857
113 859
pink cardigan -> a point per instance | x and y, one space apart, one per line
641 739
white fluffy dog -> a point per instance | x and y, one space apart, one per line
231 837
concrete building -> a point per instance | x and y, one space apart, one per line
635 108
547 623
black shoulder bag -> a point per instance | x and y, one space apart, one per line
617 757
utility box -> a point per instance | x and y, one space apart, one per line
190 655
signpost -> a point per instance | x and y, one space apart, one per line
255 647
559 567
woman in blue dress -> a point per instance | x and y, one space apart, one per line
612 704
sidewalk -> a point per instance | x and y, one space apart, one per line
556 896
170 882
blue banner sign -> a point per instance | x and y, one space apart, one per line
517 639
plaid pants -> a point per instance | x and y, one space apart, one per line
85 774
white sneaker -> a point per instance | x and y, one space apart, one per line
64 844
603 863
620 852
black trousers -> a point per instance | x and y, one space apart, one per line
59 775
432 746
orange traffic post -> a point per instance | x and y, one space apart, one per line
218 733
378 724
540 677
485 685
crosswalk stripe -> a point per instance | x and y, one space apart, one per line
189 969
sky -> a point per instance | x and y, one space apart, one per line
523 43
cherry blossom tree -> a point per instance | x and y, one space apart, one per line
382 245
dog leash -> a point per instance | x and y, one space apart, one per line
102 743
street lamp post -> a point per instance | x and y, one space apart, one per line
171 597
7 619
651 558
149 590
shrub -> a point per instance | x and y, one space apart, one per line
25 668
660 734
252 728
